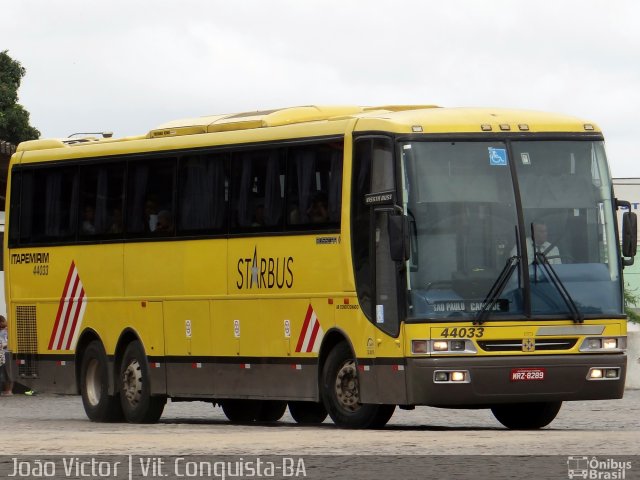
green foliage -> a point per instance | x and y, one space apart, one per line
631 298
14 119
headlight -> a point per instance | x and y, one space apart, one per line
440 346
451 376
458 346
604 373
599 344
594 343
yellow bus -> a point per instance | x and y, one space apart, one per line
336 260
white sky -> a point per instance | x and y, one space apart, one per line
130 65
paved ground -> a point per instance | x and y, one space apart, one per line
48 424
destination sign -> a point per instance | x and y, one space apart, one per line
469 306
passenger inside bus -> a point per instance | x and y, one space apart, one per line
258 216
151 214
116 221
165 222
318 212
88 219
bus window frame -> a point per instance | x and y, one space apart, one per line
17 171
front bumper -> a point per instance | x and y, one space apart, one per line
490 380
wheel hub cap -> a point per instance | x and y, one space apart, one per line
347 389
132 382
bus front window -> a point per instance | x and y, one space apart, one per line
461 207
459 197
568 215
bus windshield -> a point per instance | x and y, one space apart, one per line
465 224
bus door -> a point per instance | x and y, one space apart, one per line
388 261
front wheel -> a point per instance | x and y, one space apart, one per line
526 416
138 405
94 386
341 393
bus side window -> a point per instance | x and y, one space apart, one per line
202 204
49 203
258 190
101 200
315 186
149 192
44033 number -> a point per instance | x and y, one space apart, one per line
41 270
462 332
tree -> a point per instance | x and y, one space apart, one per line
631 299
14 119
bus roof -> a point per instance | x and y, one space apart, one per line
391 118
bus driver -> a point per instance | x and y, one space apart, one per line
541 234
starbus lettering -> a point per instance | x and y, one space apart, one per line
264 272
20 258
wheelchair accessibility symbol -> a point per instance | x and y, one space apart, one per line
497 156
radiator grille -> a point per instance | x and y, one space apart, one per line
516 345
27 335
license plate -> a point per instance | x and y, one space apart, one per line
527 374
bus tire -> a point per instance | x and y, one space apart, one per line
94 386
271 410
341 393
138 405
526 416
241 410
385 412
307 412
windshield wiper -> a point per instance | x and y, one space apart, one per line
496 289
541 258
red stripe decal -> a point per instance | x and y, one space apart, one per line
67 314
314 334
74 324
305 325
61 305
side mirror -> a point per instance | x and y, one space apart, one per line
399 242
629 237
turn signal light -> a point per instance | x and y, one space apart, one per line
419 346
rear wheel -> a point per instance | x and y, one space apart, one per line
94 386
240 410
341 393
307 412
271 410
138 405
526 416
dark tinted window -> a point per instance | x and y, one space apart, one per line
101 200
150 205
262 190
258 190
203 193
361 221
314 186
48 210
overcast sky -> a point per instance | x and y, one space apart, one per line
130 65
